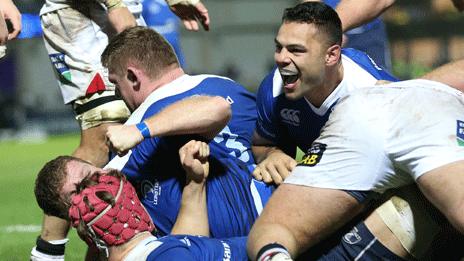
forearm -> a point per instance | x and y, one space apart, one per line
204 115
193 214
262 152
354 13
451 74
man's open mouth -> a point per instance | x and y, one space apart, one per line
289 77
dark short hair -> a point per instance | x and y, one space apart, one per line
142 46
319 14
48 186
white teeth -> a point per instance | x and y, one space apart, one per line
288 73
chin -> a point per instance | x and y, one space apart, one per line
292 96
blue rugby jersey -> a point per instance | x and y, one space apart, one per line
289 123
187 247
154 168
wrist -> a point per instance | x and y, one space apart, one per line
144 130
273 251
49 250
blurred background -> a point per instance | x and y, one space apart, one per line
422 34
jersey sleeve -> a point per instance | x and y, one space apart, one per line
266 124
368 64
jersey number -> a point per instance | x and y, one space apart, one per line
238 150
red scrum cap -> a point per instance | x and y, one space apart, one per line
109 212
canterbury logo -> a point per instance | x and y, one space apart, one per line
290 116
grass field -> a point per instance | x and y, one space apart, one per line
20 217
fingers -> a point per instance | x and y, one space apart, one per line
191 24
274 170
203 15
16 22
194 150
192 15
257 173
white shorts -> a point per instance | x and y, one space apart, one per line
75 40
385 137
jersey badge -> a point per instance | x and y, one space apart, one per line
314 155
58 61
150 191
352 237
460 133
290 116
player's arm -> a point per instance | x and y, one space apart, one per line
119 15
451 74
191 12
193 214
297 217
273 165
10 12
203 115
354 13
443 187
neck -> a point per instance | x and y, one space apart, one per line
167 76
118 253
333 76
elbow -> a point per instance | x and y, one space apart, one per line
387 3
223 110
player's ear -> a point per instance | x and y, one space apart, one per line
333 55
133 77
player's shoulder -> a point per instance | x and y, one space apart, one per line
272 84
353 57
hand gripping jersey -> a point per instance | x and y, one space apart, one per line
291 123
154 164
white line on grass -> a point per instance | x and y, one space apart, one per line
21 228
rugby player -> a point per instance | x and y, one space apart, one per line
390 142
75 34
146 72
107 213
295 101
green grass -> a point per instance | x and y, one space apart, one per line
19 164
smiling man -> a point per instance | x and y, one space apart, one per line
313 72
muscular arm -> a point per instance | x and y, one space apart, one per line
443 187
193 214
354 13
207 115
451 74
298 217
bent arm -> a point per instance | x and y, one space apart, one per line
193 214
354 13
207 116
203 115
